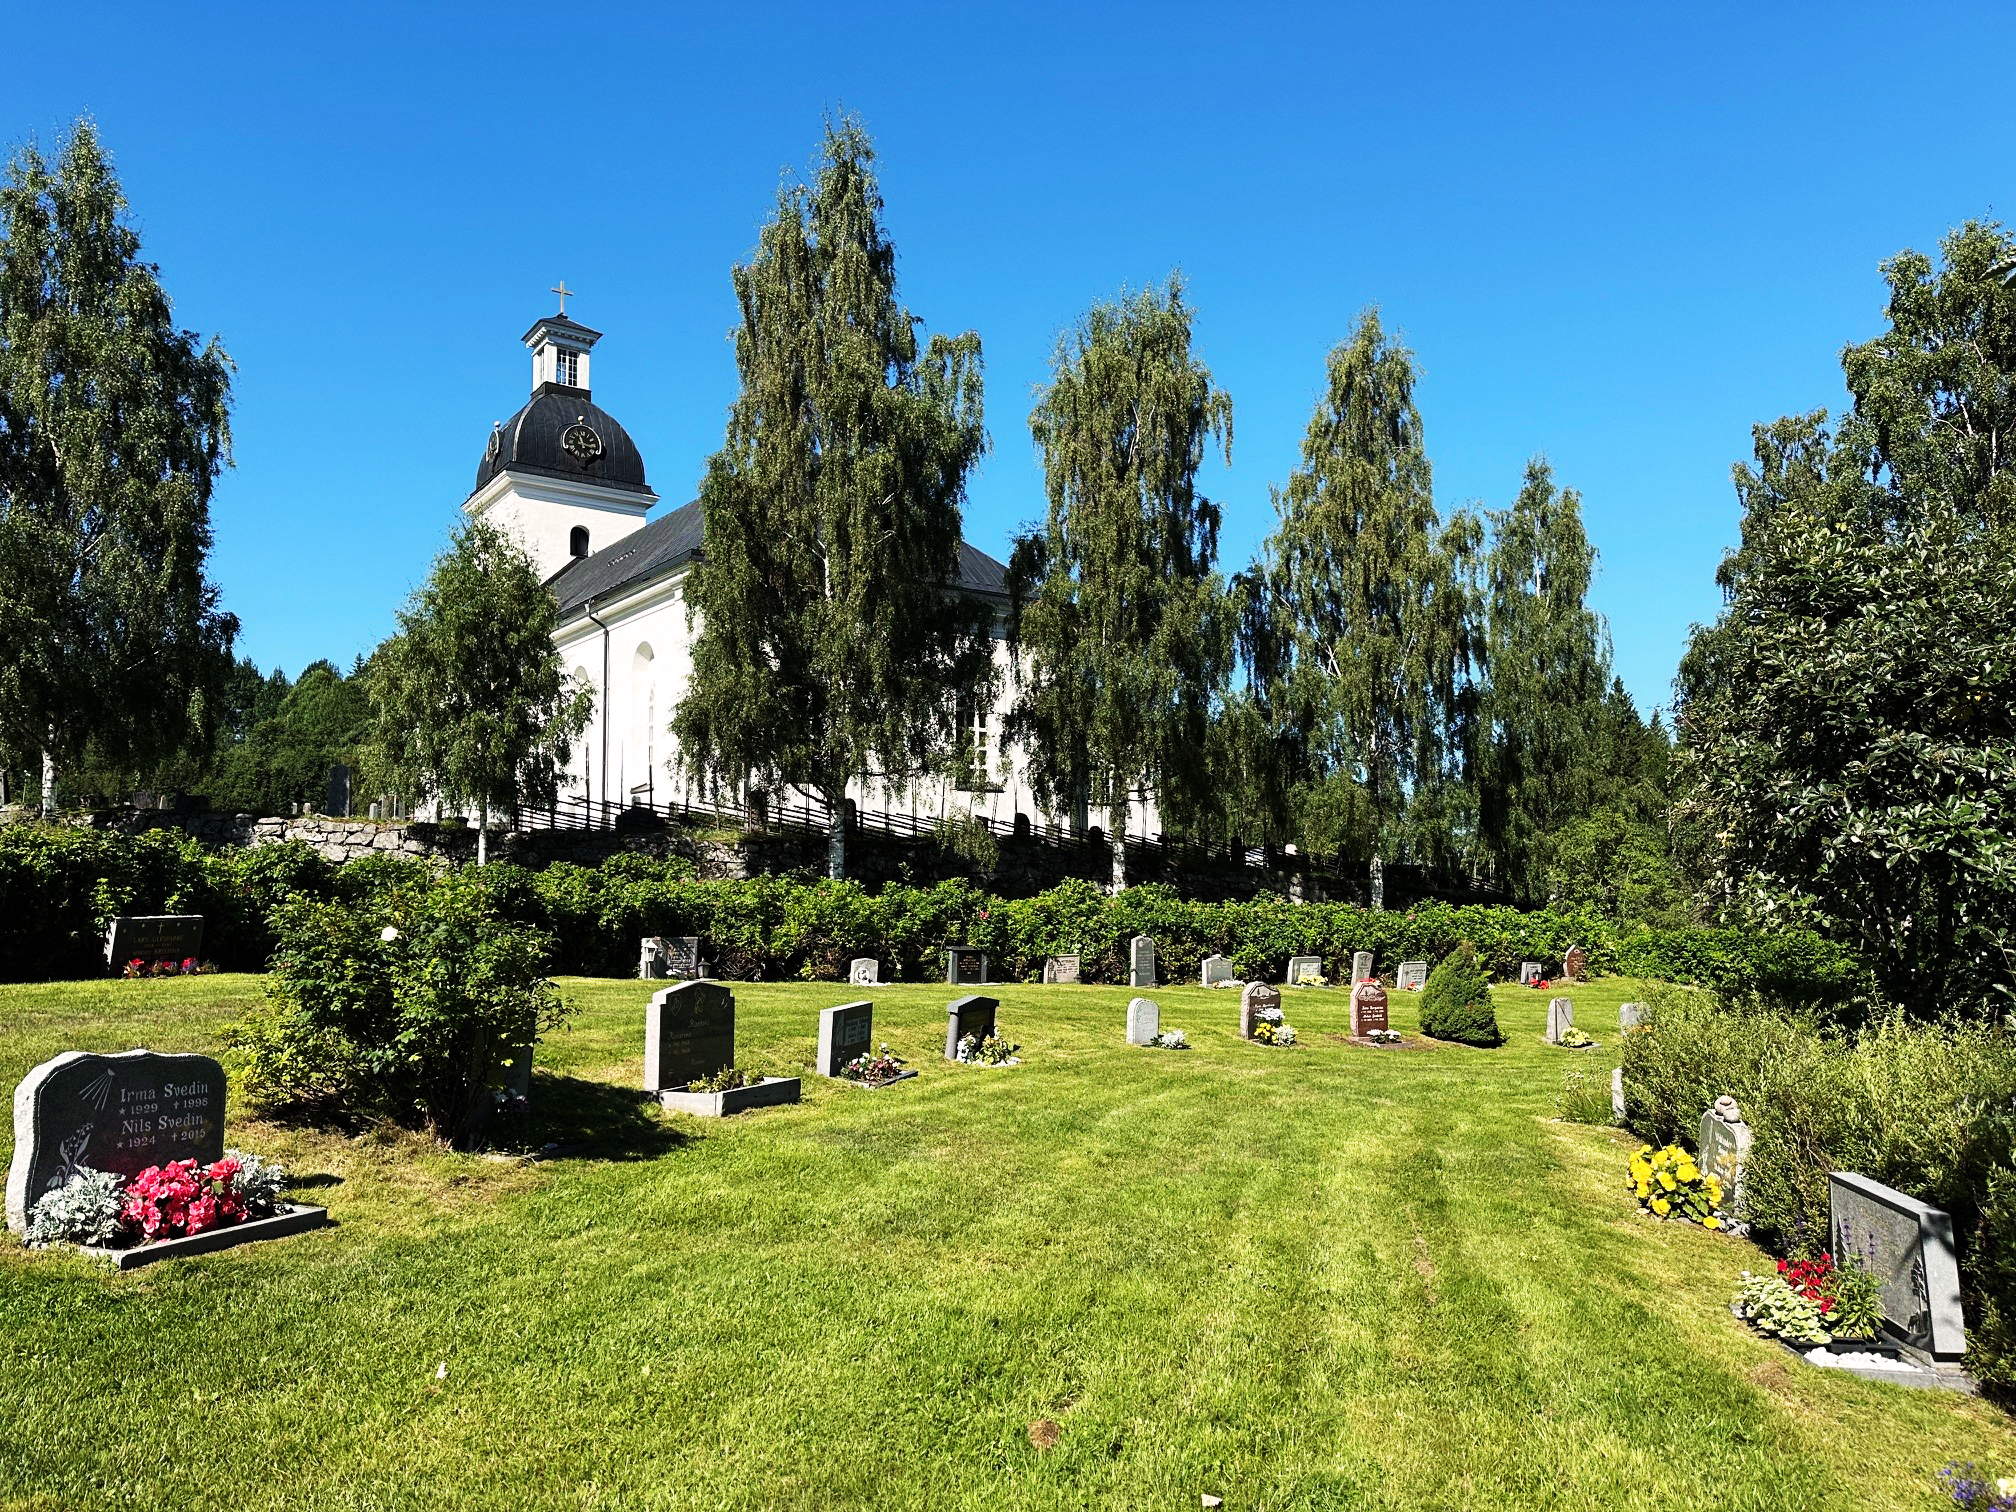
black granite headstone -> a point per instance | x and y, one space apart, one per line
965 967
689 1031
153 937
844 1033
118 1113
968 1015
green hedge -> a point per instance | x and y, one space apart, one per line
59 885
1922 1107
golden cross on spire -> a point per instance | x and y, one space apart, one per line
563 291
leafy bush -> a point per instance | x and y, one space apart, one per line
408 1005
1456 1002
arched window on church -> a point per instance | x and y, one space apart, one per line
644 722
577 541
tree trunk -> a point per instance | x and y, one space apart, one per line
483 834
836 837
1378 882
1119 838
48 783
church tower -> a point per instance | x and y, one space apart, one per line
561 474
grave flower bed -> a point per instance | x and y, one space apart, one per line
187 966
1271 1027
1668 1184
990 1050
876 1070
177 1201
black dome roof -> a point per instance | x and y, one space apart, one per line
561 434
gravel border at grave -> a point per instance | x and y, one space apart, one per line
1897 1373
298 1218
770 1092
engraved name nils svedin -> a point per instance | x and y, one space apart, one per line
139 1118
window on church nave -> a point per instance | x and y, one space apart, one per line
566 366
976 746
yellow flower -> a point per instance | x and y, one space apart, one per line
1644 1190
1666 1181
1688 1171
1711 1221
1661 1206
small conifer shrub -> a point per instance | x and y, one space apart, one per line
1456 1003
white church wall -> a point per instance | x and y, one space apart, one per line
544 512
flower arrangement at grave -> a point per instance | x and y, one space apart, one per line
1776 1308
174 1201
187 966
1311 979
1576 1039
990 1050
727 1079
1170 1039
1271 1028
1383 1036
874 1069
1668 1184
1539 984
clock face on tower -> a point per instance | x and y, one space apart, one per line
580 442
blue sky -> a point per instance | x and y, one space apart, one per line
1616 235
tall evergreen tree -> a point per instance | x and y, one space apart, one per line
1549 662
833 645
1118 619
470 700
113 425
1359 631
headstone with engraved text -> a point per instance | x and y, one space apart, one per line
118 1113
1144 1020
965 966
844 1033
1529 973
1361 965
1303 966
1574 963
1061 971
968 1015
153 937
1258 995
1908 1247
864 971
1722 1147
1411 976
689 1032
1217 969
1368 1008
1141 962
1560 1018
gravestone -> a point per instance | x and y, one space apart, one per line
339 793
1061 971
651 956
1722 1147
1908 1247
1144 1020
118 1113
1301 966
965 966
518 1071
1411 976
1141 962
1560 1018
968 1015
1573 963
1257 995
1217 968
152 937
1368 1008
677 958
1361 965
844 1033
1529 973
1629 1016
689 1031
1617 1095
864 972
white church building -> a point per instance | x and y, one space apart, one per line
567 479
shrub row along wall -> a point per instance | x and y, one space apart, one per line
1928 1108
59 885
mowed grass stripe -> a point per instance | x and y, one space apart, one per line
1318 1277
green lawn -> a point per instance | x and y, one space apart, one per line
1319 1277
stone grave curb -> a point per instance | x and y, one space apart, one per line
770 1092
874 1086
298 1219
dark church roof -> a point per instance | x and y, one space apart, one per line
673 539
561 433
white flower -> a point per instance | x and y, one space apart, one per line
388 934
